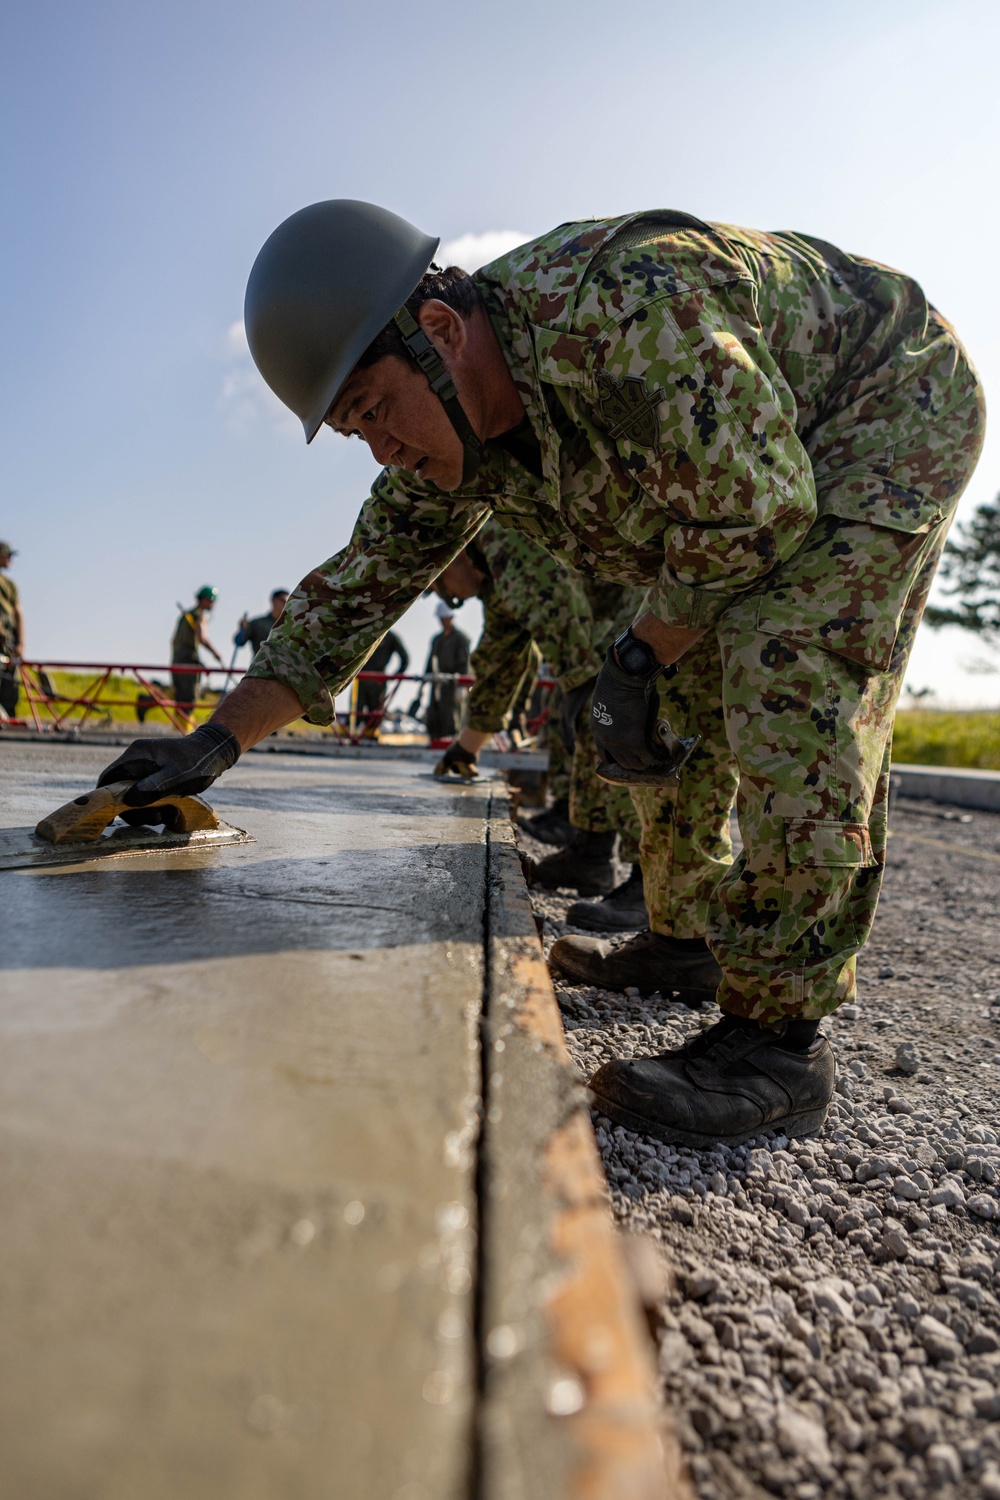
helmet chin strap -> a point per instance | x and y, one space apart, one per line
421 349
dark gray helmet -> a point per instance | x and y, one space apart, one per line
324 284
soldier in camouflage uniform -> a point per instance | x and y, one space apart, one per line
533 606
768 435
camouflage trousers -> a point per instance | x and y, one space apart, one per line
559 760
594 805
798 735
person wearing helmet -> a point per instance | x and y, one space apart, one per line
448 656
189 635
532 606
770 437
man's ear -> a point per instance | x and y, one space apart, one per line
443 326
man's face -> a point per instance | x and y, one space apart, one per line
278 605
5 559
461 579
206 605
391 407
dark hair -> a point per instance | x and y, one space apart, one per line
453 286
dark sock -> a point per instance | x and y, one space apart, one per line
799 1036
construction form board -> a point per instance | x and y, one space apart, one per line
251 1244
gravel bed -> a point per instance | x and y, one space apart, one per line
834 1328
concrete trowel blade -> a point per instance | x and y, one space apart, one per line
21 848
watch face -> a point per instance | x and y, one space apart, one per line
634 656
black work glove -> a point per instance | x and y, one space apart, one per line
173 768
414 708
457 762
569 711
636 746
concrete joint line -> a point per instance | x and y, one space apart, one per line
568 1403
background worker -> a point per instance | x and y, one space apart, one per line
254 633
449 653
371 695
11 634
766 433
189 636
532 606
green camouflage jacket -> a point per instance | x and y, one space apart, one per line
534 607
695 391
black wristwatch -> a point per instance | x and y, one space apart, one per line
634 656
638 659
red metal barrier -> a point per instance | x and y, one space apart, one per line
353 726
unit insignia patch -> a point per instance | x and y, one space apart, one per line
629 408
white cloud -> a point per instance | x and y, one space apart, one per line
245 399
470 251
236 339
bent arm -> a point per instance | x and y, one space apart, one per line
403 538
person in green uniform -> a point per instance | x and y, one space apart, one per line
189 635
11 634
532 606
765 433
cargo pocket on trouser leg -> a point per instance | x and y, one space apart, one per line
802 961
823 860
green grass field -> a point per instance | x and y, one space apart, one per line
123 690
937 737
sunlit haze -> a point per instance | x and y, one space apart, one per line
149 151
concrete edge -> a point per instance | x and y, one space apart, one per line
572 1406
952 784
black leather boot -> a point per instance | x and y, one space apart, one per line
587 865
724 1085
551 826
647 962
624 910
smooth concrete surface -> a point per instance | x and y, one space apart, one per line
238 1113
949 784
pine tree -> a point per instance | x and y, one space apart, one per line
970 569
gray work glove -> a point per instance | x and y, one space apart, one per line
457 762
173 767
635 745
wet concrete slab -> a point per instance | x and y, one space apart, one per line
269 1227
237 1121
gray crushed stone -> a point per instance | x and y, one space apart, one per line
834 1328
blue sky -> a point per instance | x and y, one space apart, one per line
148 151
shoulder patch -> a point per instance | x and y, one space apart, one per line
629 408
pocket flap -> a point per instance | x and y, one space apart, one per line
809 841
867 495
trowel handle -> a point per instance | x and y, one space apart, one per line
83 820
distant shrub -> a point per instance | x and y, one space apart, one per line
928 737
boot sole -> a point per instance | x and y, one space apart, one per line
803 1122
